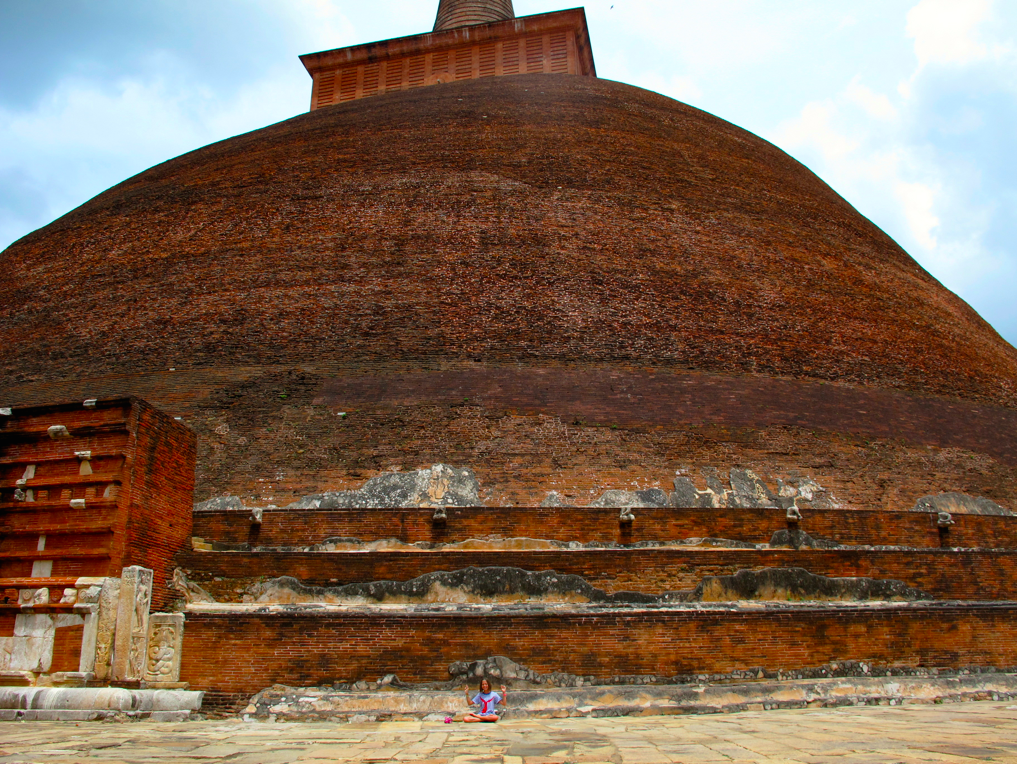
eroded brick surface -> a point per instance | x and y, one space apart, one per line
236 655
574 226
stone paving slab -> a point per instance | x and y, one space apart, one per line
956 733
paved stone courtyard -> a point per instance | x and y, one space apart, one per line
962 732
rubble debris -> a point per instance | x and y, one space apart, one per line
438 486
493 584
960 504
794 538
793 584
514 585
748 491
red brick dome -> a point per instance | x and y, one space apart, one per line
535 219
483 271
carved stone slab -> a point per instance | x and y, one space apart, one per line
100 627
131 643
165 642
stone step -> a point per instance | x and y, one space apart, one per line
282 703
941 573
95 703
304 527
233 651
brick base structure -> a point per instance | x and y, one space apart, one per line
233 655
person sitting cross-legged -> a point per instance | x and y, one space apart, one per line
486 702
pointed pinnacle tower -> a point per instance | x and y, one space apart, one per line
462 13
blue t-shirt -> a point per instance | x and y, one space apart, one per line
487 702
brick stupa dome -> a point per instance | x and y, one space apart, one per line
461 269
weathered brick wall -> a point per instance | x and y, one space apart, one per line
137 497
78 541
68 534
232 656
67 648
944 574
588 234
162 491
262 436
582 221
303 527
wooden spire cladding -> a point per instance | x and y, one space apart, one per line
473 39
461 13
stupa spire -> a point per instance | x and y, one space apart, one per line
462 13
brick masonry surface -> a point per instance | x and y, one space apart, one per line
529 219
944 574
263 436
303 527
232 656
569 225
137 497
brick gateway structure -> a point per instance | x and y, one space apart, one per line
473 252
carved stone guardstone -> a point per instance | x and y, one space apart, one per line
131 642
165 643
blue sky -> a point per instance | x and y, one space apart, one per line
907 108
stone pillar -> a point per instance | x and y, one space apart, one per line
130 645
102 600
165 641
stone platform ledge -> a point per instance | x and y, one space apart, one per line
319 704
459 608
88 704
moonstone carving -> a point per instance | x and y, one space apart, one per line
131 643
165 642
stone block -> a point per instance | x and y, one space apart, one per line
42 568
33 653
6 648
685 492
165 643
219 504
131 637
439 486
84 459
749 491
67 619
100 629
32 625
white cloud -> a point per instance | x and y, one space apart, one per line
85 136
918 201
945 31
682 89
814 129
876 105
929 164
855 142
318 24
